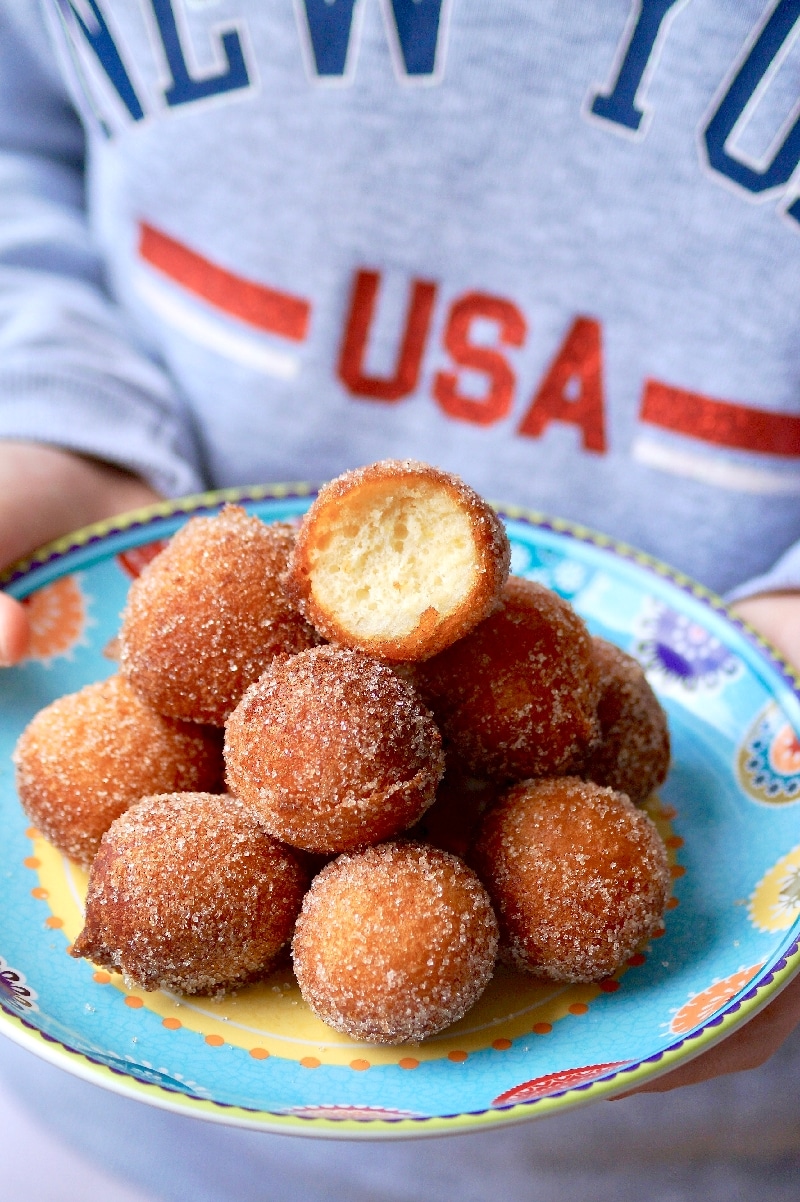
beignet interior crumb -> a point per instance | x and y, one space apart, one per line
395 553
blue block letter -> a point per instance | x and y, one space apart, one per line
736 99
185 88
99 37
417 24
619 105
329 26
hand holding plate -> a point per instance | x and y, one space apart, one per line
44 493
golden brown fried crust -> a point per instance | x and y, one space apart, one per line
578 876
517 697
86 757
394 943
207 615
333 751
633 755
435 630
188 892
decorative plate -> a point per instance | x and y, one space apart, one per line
728 812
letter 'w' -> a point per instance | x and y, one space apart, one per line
330 27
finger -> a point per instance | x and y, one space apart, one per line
14 631
775 616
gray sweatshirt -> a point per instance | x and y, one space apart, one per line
553 247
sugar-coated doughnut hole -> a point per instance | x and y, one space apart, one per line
399 559
394 943
517 697
86 757
208 614
333 751
633 754
578 876
188 892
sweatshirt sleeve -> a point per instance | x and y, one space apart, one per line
71 374
782 577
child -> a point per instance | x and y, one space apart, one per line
552 247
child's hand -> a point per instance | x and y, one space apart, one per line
777 617
44 493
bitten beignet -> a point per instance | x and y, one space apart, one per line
399 559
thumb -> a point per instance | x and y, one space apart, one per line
14 631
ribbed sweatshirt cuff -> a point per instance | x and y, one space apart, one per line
783 577
120 426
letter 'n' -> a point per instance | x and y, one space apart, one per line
331 28
88 18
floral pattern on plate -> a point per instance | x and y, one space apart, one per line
358 1113
775 902
701 1006
768 761
58 617
14 989
674 650
550 1083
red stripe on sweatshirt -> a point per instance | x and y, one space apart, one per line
267 308
723 423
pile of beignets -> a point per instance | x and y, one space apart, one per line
362 738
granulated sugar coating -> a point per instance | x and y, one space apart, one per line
633 756
517 697
394 943
86 757
189 893
332 751
399 559
207 615
578 876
